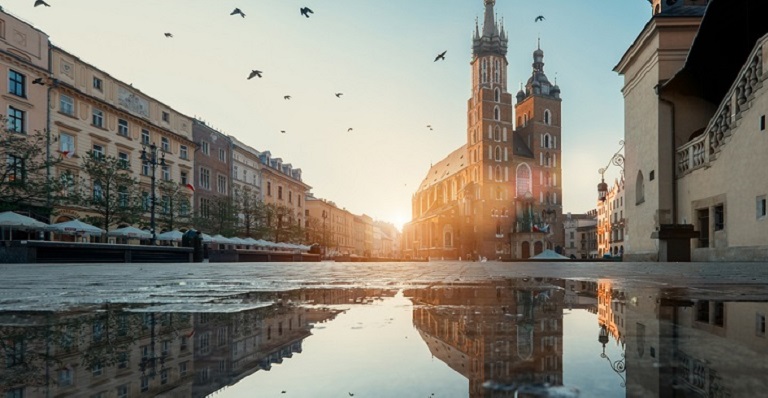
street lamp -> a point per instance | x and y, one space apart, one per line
618 160
619 367
153 161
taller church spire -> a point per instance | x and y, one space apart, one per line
494 39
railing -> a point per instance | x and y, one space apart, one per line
703 150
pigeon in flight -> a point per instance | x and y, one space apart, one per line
39 81
41 3
440 56
282 131
254 73
349 129
168 35
429 126
237 11
287 97
539 18
305 11
338 95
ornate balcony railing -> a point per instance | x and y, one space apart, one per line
704 149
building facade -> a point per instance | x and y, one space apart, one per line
499 196
611 224
282 186
580 235
329 226
698 117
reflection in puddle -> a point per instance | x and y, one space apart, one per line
532 337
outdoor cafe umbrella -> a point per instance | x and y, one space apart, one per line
130 232
171 235
75 227
17 221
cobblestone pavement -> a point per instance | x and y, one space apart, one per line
41 286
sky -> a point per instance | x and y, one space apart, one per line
379 54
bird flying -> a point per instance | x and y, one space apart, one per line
282 131
41 3
39 81
287 97
539 18
168 35
254 73
441 56
349 129
429 126
338 95
305 11
237 11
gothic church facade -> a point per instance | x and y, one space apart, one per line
498 196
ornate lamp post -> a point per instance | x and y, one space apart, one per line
618 160
618 366
153 161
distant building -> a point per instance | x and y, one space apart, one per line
213 181
281 185
580 235
695 127
498 196
329 226
611 225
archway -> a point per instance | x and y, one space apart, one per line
538 247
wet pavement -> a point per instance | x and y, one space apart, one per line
437 329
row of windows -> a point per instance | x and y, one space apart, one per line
280 194
522 120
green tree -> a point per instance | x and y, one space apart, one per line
217 216
109 190
251 213
173 204
26 180
281 224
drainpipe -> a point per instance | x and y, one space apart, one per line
674 153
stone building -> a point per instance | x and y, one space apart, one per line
694 128
92 111
498 196
329 226
213 179
611 224
580 235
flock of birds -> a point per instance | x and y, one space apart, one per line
305 11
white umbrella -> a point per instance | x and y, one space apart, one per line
250 241
171 235
16 220
239 241
548 255
130 232
221 239
208 239
75 227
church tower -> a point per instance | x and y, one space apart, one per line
489 134
538 118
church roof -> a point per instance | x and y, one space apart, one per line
520 147
450 165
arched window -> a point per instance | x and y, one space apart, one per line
497 72
519 121
497 95
547 117
525 120
639 188
98 192
547 142
497 134
547 160
447 236
496 113
497 153
523 180
498 173
484 71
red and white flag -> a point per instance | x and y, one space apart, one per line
191 187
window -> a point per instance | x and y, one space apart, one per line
166 117
144 384
205 207
122 127
165 144
523 182
497 94
205 178
16 120
65 377
97 151
15 393
183 152
183 178
547 117
183 369
124 160
166 173
719 215
222 155
122 360
98 83
205 148
97 331
484 71
16 83
14 172
269 188
639 188
122 391
222 184
98 117
145 201
164 376
66 105
496 113
145 167
97 369
280 193
703 217
497 134
496 72
652 175
298 200
144 137
760 204
762 123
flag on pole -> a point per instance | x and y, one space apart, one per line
191 187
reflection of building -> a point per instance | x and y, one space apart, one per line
694 127
611 304
699 342
500 194
495 334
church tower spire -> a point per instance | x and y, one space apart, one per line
494 39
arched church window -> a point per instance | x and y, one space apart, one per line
496 113
547 117
639 188
498 154
547 160
523 180
497 72
484 70
497 134
497 95
497 173
547 141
